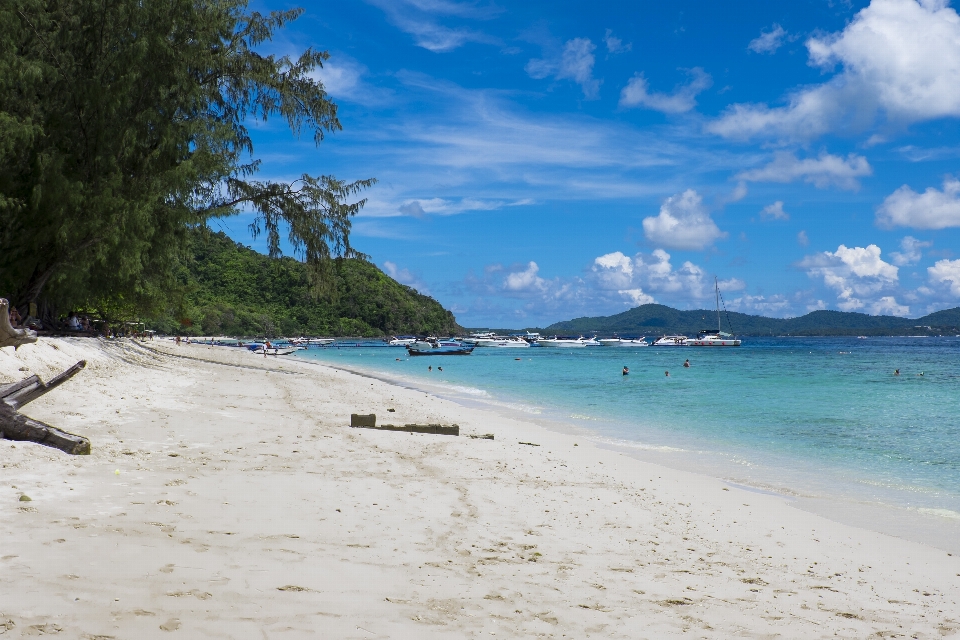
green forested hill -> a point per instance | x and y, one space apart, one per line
233 290
656 319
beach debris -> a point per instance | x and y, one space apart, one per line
292 587
170 625
10 337
391 410
437 429
14 426
530 444
363 420
478 436
25 498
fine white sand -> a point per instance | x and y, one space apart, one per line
226 497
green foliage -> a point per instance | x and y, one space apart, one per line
233 290
657 319
123 126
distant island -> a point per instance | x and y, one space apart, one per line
657 319
236 291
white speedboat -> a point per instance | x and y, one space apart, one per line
711 338
671 341
402 341
503 343
306 342
562 342
276 351
591 342
624 342
476 337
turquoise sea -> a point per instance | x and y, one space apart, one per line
807 417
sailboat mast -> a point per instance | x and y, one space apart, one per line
717 287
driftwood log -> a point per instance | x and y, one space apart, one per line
14 426
10 337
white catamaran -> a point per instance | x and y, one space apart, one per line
711 338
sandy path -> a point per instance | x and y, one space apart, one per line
244 508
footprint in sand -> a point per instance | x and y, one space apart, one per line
170 625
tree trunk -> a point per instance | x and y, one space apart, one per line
10 337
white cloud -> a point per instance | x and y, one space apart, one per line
683 223
405 276
854 273
888 306
575 63
640 277
442 207
824 171
418 18
910 253
776 305
637 93
739 192
775 211
931 209
802 238
615 44
946 272
898 58
525 280
768 41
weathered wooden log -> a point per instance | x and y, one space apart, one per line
438 429
14 426
10 337
29 389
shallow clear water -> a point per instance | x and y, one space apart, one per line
815 416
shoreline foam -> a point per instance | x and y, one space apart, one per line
241 490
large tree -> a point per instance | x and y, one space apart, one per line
123 123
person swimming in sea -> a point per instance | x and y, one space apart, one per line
896 372
439 368
686 363
430 368
626 370
666 373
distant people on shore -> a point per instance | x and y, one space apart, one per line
15 318
686 364
73 322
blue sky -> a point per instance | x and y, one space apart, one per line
539 161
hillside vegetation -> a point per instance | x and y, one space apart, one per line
655 319
233 290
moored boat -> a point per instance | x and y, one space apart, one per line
671 341
402 341
439 348
503 342
711 338
623 342
558 341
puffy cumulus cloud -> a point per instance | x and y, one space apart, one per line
405 276
853 272
644 276
932 209
683 223
575 63
637 93
525 280
898 58
909 251
822 172
946 273
775 211
768 41
888 306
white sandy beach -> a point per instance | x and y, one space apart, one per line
226 497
